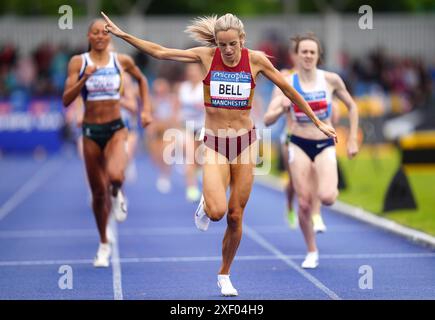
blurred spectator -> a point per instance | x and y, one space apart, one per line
58 68
25 73
8 55
402 78
277 49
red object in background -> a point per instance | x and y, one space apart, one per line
7 55
39 107
5 108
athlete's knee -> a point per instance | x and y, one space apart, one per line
216 211
234 216
328 197
304 203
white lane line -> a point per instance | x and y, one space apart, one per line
29 187
116 264
218 258
271 248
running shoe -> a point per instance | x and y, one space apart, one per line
119 207
292 219
224 283
201 219
311 260
103 255
318 225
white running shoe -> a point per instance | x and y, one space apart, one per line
201 219
163 184
311 260
224 283
318 224
101 260
119 206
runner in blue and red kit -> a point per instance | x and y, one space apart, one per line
311 157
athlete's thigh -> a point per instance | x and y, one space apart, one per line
94 163
242 175
115 152
242 179
216 177
301 168
326 168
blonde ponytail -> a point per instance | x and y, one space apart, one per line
204 29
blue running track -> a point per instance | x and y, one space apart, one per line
46 223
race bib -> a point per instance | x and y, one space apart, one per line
230 89
105 81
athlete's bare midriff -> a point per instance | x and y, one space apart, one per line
98 112
309 130
227 123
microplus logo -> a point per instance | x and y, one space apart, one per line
230 76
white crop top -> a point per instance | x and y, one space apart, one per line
103 84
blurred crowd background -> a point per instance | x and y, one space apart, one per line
42 73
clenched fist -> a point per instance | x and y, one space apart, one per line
145 118
89 71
